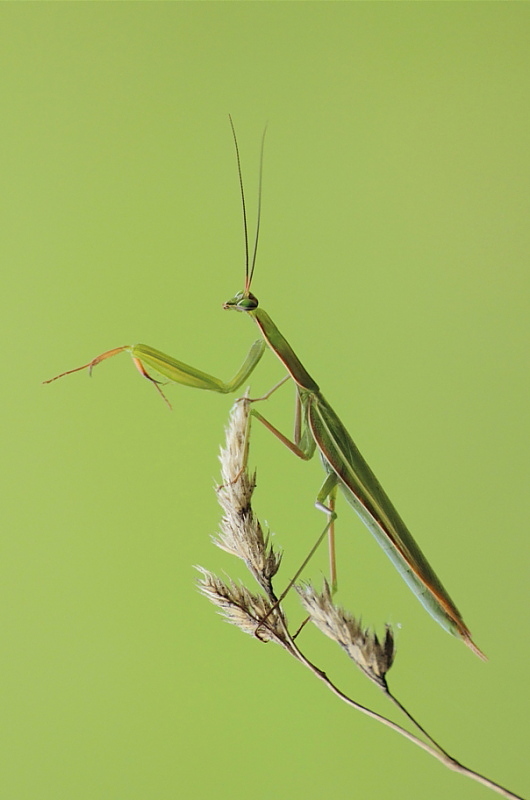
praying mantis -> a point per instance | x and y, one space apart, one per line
316 427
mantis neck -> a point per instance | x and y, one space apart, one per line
279 345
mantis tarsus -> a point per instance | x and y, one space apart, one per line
316 427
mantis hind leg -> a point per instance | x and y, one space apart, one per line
304 447
329 492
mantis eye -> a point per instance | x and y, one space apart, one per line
248 303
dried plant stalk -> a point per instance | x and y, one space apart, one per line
262 614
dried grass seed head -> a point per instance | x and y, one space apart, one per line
373 657
240 532
243 608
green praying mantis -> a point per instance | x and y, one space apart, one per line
316 427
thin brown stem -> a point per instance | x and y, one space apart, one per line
437 752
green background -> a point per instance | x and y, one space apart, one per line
394 257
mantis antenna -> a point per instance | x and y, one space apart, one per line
249 272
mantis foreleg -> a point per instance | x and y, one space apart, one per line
175 371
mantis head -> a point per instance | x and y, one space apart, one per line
242 301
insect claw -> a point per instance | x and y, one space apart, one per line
142 370
161 393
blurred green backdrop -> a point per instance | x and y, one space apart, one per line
394 256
